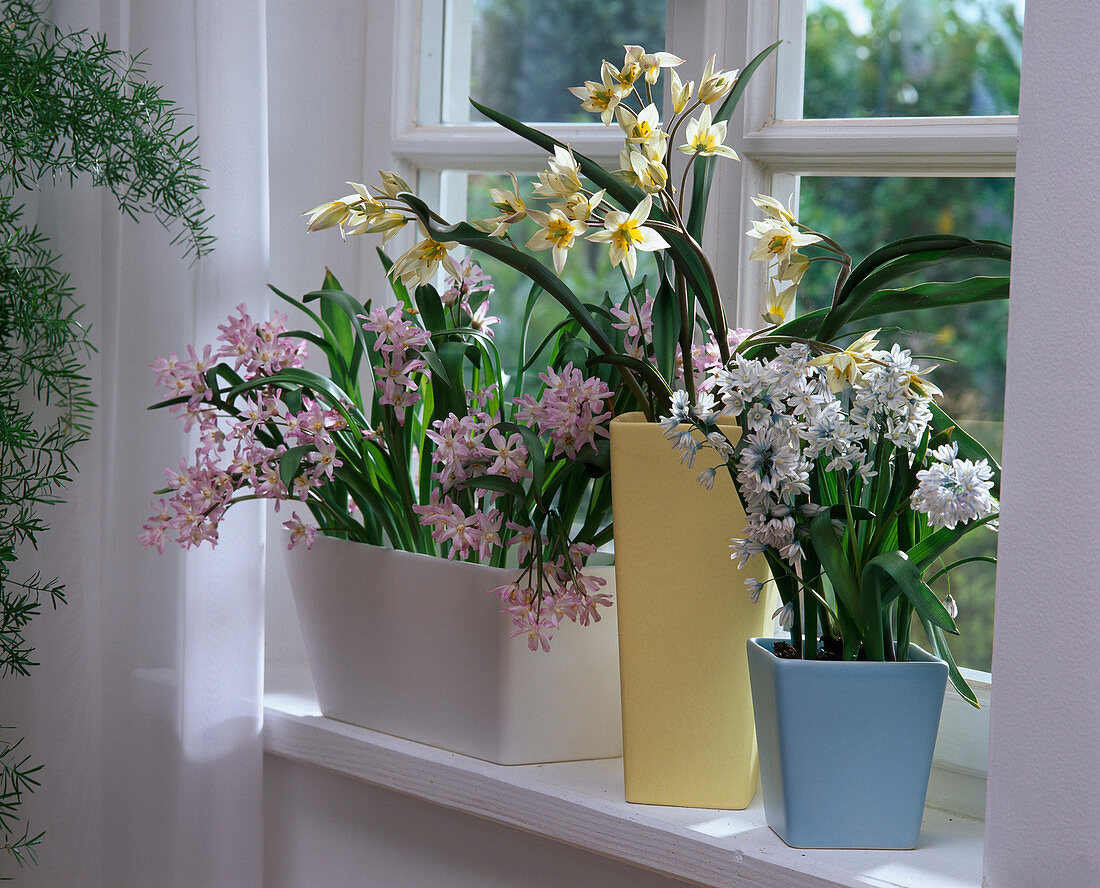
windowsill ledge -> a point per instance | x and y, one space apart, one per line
580 803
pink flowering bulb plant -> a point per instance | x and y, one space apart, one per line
854 482
413 439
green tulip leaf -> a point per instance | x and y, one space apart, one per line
625 195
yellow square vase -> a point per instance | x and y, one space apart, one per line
684 616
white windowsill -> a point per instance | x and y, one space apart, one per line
581 804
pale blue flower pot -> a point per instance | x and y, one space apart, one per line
845 747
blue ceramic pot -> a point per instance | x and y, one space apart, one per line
845 747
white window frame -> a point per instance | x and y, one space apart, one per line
775 149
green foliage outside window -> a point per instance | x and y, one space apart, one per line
913 58
927 58
527 53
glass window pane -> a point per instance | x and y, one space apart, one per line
863 213
525 54
912 58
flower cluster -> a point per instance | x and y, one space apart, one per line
236 456
571 595
780 236
838 412
398 345
569 210
953 490
570 410
472 446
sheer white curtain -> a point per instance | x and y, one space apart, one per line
147 707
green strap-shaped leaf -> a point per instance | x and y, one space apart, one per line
439 372
465 234
399 290
660 388
336 304
330 352
289 463
666 326
452 393
939 647
858 513
907 247
931 547
431 308
552 336
932 295
906 580
339 322
987 559
523 361
497 483
337 398
625 195
897 260
830 552
316 318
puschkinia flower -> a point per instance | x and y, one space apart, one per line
954 491
244 445
785 616
398 342
259 348
232 460
395 334
840 413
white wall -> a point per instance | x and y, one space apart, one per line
1044 779
326 831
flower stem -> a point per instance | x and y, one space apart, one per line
685 336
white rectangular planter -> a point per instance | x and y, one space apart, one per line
412 645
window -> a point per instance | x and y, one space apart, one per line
838 128
495 51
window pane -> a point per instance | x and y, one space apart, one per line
912 58
525 54
865 213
